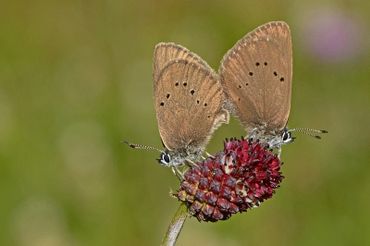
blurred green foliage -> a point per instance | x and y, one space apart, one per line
75 79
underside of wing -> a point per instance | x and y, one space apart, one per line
167 52
256 75
188 103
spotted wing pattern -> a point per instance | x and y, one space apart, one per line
256 75
188 102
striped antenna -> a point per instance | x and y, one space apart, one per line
140 146
310 132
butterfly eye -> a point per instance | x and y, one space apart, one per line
287 137
165 158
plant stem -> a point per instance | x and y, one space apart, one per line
175 226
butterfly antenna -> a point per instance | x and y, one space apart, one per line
140 146
310 132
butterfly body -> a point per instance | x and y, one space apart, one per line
180 156
272 138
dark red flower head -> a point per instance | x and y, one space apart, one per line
241 177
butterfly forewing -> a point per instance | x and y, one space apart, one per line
256 75
188 103
167 52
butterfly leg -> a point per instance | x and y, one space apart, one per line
279 152
177 173
208 154
191 163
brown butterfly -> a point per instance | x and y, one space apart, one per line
256 75
188 100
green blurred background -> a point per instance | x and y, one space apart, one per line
75 79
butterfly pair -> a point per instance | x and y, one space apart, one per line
254 83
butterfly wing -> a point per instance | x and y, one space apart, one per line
188 104
166 52
256 75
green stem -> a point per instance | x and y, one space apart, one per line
175 226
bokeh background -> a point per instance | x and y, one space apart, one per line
75 79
